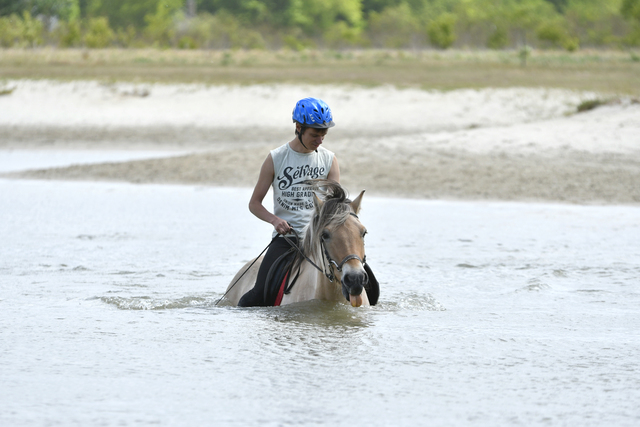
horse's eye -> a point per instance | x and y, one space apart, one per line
364 233
325 235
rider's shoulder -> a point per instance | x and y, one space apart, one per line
279 150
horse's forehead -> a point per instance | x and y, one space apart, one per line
348 239
351 225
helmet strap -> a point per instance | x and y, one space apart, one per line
303 129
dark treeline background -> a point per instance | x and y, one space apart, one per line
333 24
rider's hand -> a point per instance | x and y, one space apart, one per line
281 226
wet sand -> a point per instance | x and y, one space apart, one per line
489 144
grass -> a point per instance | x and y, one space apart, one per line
615 72
589 105
7 91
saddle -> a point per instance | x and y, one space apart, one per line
280 280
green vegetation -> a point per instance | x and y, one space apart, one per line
432 44
324 24
589 104
5 91
608 72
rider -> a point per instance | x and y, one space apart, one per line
285 169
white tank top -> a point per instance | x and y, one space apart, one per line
293 201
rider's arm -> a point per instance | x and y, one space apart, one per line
334 172
260 191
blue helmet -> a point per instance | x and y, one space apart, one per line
313 113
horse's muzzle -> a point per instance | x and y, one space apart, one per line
353 283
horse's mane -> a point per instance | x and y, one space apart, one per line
335 210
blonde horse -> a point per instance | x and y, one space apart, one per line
334 233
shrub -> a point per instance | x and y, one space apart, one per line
126 37
394 27
252 39
630 9
10 30
219 31
499 39
99 34
201 31
552 33
441 31
68 34
596 23
296 40
633 38
589 105
32 30
341 34
571 44
187 42
161 28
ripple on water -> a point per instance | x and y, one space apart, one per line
319 313
149 303
534 285
412 302
465 265
112 236
314 308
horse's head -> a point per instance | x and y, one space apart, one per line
340 234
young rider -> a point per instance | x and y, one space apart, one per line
285 169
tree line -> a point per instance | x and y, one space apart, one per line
333 24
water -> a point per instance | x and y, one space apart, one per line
20 160
490 314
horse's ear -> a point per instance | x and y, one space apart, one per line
317 203
355 205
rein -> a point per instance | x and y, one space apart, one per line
330 275
244 272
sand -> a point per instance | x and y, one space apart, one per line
489 144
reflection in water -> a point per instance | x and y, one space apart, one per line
320 313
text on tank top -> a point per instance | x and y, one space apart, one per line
293 200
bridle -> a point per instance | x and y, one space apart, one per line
331 276
327 260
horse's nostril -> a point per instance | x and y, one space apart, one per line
351 278
348 280
355 282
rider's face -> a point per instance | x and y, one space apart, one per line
312 138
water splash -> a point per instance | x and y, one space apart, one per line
149 303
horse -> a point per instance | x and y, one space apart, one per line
334 233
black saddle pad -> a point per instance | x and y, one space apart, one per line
276 276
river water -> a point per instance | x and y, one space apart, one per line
491 313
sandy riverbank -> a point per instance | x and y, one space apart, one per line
506 144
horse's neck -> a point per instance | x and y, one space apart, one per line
323 288
327 290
